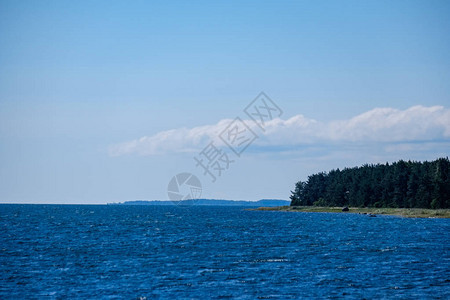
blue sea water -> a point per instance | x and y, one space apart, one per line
87 251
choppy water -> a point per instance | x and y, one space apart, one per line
218 252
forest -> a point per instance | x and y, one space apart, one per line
402 184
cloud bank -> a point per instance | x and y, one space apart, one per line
383 125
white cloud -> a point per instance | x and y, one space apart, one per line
175 140
386 125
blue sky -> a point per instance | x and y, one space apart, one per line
361 82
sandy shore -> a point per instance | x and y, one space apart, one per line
403 212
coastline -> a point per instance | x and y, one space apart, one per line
401 212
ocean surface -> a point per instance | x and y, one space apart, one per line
88 251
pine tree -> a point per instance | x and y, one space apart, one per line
401 184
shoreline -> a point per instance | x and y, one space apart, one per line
401 212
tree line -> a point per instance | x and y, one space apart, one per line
407 184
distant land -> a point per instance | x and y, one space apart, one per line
209 202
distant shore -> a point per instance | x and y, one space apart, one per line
403 212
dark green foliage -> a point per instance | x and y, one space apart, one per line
401 184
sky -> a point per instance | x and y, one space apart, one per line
107 101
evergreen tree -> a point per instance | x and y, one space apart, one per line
401 184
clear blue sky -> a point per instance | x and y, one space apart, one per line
77 77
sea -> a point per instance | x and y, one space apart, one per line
198 252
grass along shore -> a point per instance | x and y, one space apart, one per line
403 212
